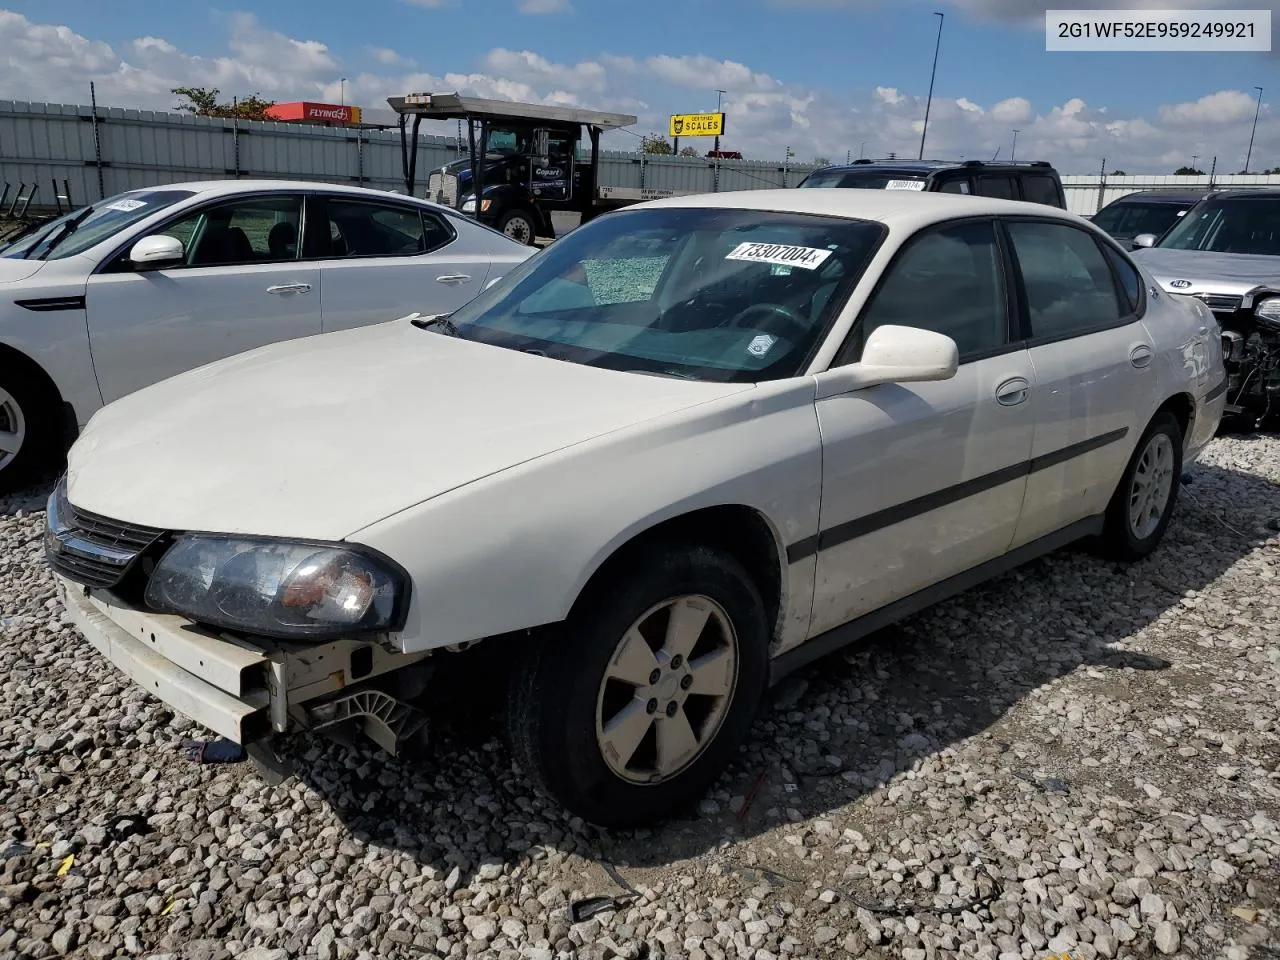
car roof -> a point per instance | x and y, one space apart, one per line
216 188
932 166
1163 196
906 209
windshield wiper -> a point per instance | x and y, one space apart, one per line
63 232
442 321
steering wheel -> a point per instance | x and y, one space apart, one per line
796 327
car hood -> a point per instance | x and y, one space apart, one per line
323 436
13 269
1206 271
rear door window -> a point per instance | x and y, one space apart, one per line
997 186
1039 188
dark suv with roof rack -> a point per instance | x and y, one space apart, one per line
1035 181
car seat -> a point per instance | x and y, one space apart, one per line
282 241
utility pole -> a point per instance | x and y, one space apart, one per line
1258 109
1013 154
342 96
862 150
929 103
719 97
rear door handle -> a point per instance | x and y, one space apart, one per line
453 278
1141 355
283 289
1013 391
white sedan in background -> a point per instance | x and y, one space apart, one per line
686 449
153 282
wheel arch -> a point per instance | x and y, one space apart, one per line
741 531
13 358
1183 407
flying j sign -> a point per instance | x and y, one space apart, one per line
697 125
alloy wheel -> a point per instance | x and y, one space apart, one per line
13 428
1151 486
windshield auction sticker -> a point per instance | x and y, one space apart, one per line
127 206
806 258
904 185
1158 30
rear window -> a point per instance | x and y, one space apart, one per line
1129 218
1038 188
865 180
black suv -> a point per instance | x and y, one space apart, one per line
1035 181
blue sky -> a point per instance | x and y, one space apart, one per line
821 76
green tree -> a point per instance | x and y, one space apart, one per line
689 151
656 143
1117 173
203 102
821 162
1188 172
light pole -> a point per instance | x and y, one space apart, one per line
862 150
1258 109
1013 155
342 86
719 97
929 103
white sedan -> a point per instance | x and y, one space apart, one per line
153 282
688 448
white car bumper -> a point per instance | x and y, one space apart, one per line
241 690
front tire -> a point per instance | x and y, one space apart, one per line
630 713
28 428
519 225
1142 506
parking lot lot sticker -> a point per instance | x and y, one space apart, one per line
806 258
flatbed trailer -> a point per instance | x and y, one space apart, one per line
531 166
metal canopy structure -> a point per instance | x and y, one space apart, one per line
454 106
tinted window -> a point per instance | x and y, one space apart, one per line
1130 279
247 230
1131 218
709 294
1001 187
1037 188
91 225
954 186
865 179
1229 225
949 281
1068 284
358 228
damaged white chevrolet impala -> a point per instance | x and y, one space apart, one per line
690 447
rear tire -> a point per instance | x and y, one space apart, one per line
29 428
1142 506
633 709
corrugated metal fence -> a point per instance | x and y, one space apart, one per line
103 152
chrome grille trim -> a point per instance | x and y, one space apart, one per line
1220 302
88 548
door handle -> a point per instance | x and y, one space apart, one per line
1013 391
282 289
453 278
1141 355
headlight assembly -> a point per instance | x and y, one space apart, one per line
1267 312
278 588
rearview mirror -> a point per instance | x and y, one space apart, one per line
160 250
894 354
1144 240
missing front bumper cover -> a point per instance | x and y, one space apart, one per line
386 721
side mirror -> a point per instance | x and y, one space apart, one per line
1144 240
894 354
159 250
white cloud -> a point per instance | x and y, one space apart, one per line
545 6
766 114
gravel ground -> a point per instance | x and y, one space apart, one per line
1076 758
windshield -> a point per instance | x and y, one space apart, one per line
102 220
709 294
1129 219
865 179
1229 225
502 141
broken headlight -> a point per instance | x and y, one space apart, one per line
278 588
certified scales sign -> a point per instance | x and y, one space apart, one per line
697 125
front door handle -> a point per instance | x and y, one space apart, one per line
453 278
283 289
1141 355
1013 391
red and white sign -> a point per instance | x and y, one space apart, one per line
307 112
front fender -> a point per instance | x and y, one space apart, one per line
514 550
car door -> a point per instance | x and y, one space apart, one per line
1094 364
240 285
388 259
922 481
